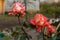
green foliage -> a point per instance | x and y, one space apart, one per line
6 38
50 8
18 28
23 37
1 35
27 25
54 37
14 34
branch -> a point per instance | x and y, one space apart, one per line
28 36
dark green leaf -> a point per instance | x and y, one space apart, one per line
23 37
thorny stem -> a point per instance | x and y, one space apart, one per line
27 36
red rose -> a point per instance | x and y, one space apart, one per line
40 21
17 8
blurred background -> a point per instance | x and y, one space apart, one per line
49 8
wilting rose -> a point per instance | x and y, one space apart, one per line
40 21
17 8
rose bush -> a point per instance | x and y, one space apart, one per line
39 20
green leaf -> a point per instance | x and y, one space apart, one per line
1 35
17 28
14 34
54 37
6 38
23 37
